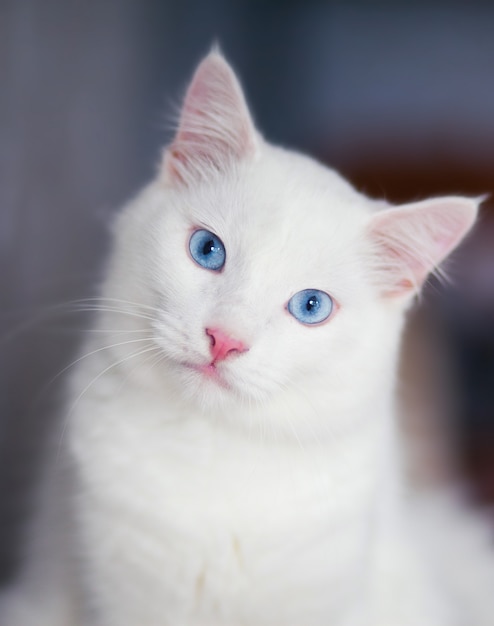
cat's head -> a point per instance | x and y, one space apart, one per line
267 273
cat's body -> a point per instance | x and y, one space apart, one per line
224 462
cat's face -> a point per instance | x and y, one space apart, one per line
267 260
267 272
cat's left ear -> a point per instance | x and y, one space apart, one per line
215 125
409 241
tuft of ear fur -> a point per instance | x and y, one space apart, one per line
411 240
215 124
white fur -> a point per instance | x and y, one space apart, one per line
275 498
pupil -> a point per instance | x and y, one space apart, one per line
208 247
312 303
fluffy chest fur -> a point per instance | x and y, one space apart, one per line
215 527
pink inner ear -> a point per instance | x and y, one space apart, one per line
215 124
413 239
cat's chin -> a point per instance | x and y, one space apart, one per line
207 384
212 387
209 372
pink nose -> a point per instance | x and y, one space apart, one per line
222 345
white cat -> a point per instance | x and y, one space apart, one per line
230 449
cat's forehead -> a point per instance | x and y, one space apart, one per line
306 197
282 199
287 215
281 190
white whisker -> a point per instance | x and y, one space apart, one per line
75 307
89 385
101 349
47 385
158 358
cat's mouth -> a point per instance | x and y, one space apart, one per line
210 372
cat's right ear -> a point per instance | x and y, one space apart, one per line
215 125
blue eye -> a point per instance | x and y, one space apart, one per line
310 306
207 250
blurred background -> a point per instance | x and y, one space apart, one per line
398 96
